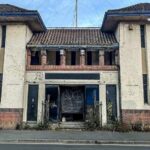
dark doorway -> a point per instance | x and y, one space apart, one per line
72 103
111 101
52 97
32 103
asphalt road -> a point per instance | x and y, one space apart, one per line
68 147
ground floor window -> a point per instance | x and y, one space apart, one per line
111 103
145 85
32 102
1 79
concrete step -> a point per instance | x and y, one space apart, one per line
72 125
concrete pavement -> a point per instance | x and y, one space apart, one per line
82 137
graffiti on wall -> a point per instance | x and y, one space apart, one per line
72 100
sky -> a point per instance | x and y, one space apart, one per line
60 13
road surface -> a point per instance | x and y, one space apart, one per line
69 147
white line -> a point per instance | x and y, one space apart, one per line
119 145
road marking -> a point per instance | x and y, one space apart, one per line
64 144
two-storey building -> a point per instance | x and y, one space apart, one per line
70 74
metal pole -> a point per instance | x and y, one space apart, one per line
76 14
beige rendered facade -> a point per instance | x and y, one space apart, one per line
59 76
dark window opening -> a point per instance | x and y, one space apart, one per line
1 78
57 57
109 58
3 36
145 88
142 31
35 58
73 58
95 58
89 58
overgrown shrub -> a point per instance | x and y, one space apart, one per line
117 126
146 128
41 126
137 126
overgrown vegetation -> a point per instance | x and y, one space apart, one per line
39 126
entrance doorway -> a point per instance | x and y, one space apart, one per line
52 110
72 103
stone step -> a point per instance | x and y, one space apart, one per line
72 125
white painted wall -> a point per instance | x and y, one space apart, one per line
131 73
17 37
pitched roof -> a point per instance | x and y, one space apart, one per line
138 7
11 13
11 8
139 12
73 36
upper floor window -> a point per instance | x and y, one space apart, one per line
109 58
73 57
35 58
92 58
142 32
53 57
89 58
3 36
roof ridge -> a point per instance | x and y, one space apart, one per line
10 6
142 5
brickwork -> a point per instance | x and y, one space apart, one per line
134 116
9 118
71 68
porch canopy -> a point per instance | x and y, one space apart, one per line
73 38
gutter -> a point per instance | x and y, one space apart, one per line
113 46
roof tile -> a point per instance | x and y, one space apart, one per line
73 36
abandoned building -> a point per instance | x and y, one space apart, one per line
67 75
